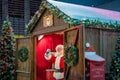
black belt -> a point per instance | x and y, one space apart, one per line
59 70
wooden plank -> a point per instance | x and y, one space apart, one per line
23 76
34 57
49 30
109 40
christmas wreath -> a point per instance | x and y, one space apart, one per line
71 55
23 54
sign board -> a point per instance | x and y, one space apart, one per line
48 20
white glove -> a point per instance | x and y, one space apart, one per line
48 51
47 54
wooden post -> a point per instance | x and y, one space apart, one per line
83 45
33 64
4 9
34 57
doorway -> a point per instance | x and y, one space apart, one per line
44 42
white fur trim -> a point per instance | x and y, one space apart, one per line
57 63
59 46
58 75
48 50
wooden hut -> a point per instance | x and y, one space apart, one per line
77 25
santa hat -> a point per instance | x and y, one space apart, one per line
90 48
59 47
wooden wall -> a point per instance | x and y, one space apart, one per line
23 69
104 42
107 46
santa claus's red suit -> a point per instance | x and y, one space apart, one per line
58 59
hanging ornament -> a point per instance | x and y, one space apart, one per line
6 59
119 47
12 67
112 57
4 67
117 70
2 39
2 73
6 37
7 50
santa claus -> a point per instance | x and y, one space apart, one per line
58 60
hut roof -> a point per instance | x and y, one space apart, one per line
77 14
81 12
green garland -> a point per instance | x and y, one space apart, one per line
71 55
23 54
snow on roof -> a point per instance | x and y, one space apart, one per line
81 12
